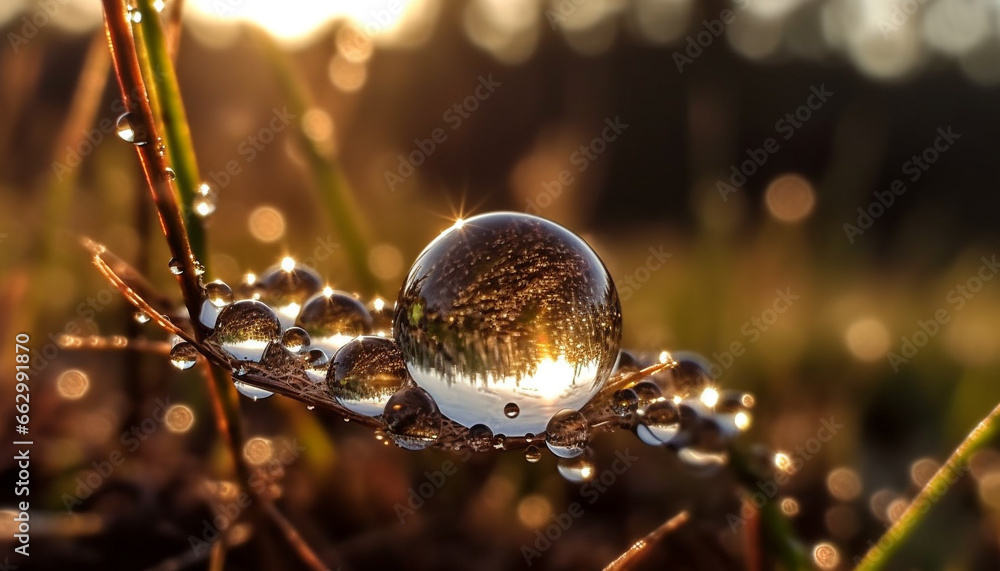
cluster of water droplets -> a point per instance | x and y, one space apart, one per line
507 327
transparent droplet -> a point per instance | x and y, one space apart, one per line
161 149
732 411
532 454
624 402
219 293
176 266
311 407
183 355
129 129
141 317
507 307
317 365
365 373
412 418
567 433
295 339
244 328
287 286
480 438
577 470
511 410
689 376
251 391
499 441
332 318
170 174
647 393
199 268
660 424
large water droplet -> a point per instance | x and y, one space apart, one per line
577 470
130 130
567 433
365 373
244 328
251 391
333 318
295 339
412 419
660 423
183 355
287 286
508 307
689 377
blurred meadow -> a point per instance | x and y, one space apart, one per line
801 191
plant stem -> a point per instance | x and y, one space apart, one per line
177 135
330 184
880 553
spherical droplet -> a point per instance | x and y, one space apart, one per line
647 392
141 317
176 266
332 318
219 293
317 365
365 373
251 391
577 470
129 130
481 438
169 173
412 418
690 376
624 402
567 433
295 339
511 410
183 355
244 328
660 424
287 286
507 307
532 454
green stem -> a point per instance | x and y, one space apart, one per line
880 553
340 207
165 92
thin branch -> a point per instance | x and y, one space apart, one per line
291 534
881 551
641 548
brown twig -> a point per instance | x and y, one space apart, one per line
642 547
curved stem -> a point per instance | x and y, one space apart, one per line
881 551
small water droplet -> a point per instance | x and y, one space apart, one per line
567 433
244 328
689 376
660 423
511 410
161 149
170 174
183 355
251 391
311 407
141 317
412 419
129 130
480 438
647 392
529 437
176 266
219 293
365 373
624 402
532 454
295 339
332 318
